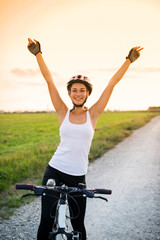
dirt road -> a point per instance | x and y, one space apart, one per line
132 171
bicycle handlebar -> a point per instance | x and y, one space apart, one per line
24 187
39 190
102 191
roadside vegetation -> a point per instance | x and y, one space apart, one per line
28 141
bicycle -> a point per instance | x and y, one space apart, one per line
60 228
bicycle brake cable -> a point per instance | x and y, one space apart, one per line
78 208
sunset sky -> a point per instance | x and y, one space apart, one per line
90 37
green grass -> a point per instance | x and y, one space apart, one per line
113 127
28 141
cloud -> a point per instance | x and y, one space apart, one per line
30 73
133 69
25 72
33 73
137 69
19 72
147 69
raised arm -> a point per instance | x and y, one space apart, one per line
100 105
60 107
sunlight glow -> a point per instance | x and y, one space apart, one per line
79 37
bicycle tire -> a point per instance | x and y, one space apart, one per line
64 237
61 237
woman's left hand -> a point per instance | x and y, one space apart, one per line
134 53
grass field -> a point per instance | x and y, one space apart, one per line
28 141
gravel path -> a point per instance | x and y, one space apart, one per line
132 170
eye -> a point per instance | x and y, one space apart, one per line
82 90
74 90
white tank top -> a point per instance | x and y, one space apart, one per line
71 156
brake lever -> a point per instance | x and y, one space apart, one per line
28 194
101 198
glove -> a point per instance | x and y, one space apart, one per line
35 48
133 55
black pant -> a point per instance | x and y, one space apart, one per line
49 204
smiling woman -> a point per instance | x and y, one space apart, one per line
69 163
79 88
78 94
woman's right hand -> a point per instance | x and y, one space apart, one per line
34 46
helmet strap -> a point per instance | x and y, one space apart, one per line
75 105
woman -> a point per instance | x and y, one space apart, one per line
69 162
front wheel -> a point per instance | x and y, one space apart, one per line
61 237
69 236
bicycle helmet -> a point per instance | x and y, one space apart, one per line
80 79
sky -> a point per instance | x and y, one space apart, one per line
88 37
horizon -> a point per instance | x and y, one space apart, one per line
149 109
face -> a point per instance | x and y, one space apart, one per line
78 93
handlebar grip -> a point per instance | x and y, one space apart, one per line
102 191
24 187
